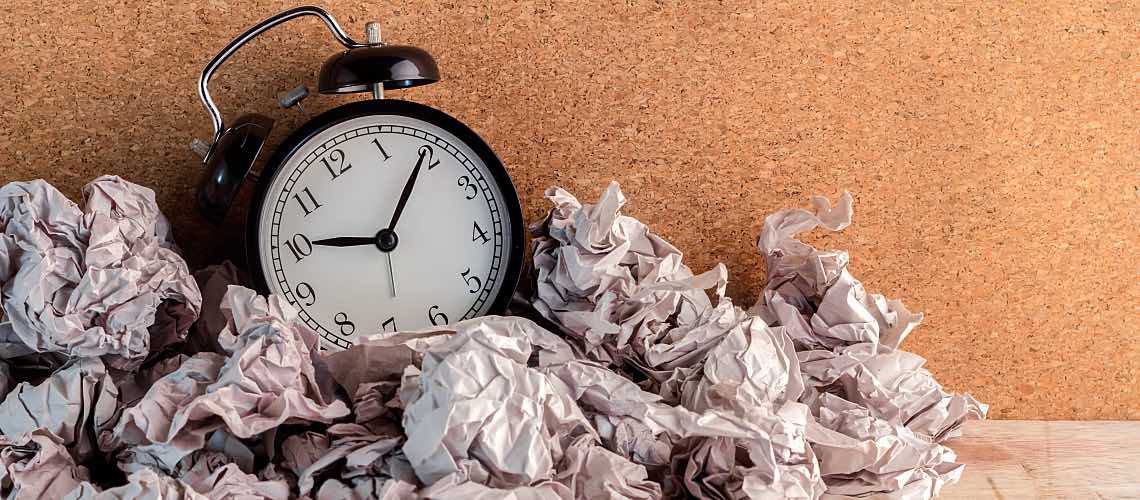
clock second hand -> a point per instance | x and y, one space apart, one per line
403 201
352 241
391 274
400 210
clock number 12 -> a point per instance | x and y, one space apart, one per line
337 157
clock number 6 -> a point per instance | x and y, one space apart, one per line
346 327
300 246
337 157
436 318
468 186
472 281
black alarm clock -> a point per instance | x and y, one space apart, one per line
378 215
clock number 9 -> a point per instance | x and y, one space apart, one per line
346 327
436 318
336 156
466 184
472 281
300 246
305 291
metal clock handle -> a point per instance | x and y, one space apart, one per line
250 34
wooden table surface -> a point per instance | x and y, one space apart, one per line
1007 459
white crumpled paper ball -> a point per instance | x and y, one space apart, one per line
90 281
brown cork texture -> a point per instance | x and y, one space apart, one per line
992 147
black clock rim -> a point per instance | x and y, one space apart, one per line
513 269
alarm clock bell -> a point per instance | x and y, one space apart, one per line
371 66
361 69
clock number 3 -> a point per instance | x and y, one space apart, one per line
300 246
346 327
336 157
436 318
472 281
469 189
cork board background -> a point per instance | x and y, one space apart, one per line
993 150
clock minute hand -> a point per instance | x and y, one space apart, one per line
347 241
424 151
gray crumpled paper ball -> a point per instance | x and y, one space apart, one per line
90 281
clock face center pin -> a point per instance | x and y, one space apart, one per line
386 240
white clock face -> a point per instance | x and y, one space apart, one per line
326 226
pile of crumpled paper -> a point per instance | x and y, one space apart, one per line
126 376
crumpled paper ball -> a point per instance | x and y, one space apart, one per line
90 281
644 380
266 379
818 345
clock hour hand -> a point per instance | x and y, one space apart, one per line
347 241
424 152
